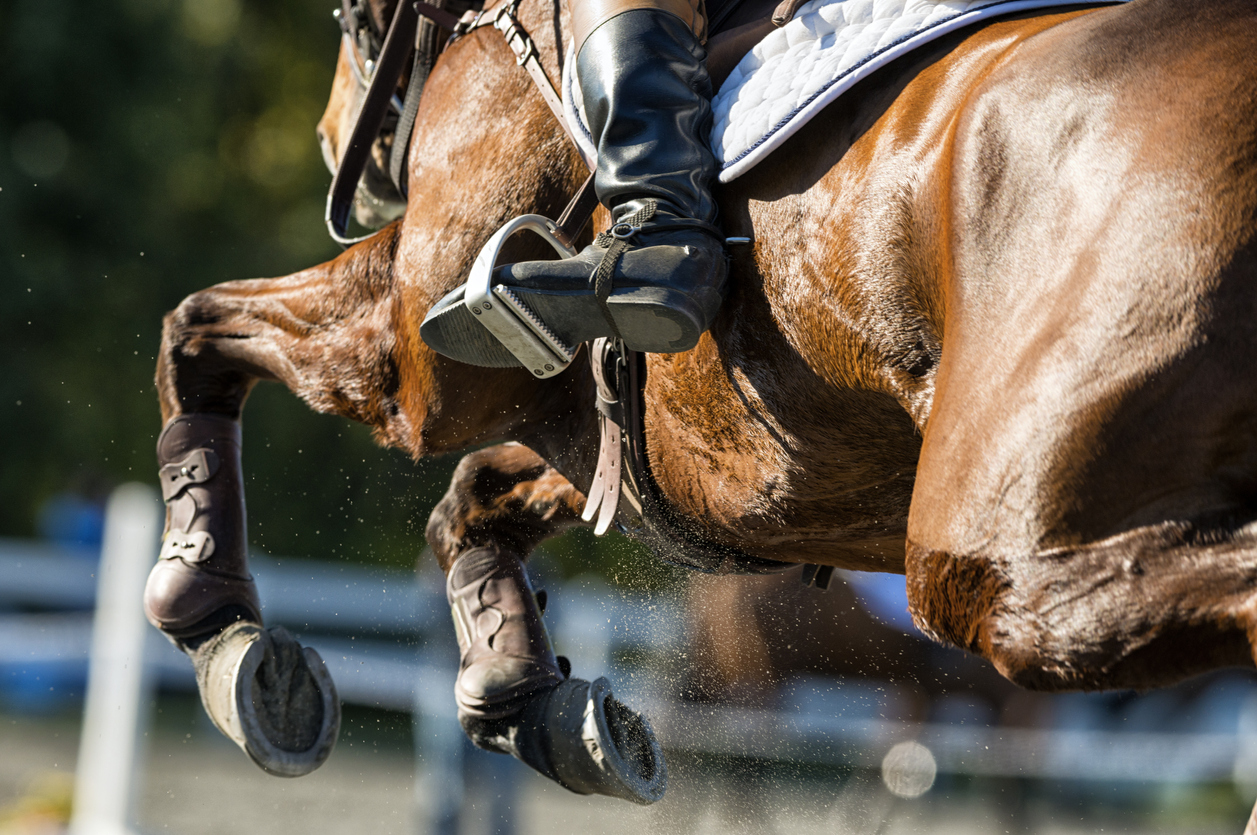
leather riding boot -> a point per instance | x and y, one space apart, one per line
201 582
506 656
658 278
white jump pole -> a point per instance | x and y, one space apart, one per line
118 689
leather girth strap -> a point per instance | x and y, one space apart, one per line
624 486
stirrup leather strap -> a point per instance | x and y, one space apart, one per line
624 486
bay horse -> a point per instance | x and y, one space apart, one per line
995 333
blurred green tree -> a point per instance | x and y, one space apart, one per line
150 148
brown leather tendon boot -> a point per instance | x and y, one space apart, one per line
202 571
505 653
262 689
513 697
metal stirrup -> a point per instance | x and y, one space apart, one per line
506 317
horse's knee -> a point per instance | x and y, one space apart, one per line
191 376
1146 609
183 326
506 496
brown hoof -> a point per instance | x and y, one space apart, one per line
270 696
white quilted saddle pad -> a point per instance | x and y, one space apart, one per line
799 69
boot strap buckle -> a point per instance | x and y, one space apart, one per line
624 231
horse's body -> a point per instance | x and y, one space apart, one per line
1001 305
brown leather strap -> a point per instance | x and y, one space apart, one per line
578 213
785 11
397 46
526 55
603 496
439 16
644 513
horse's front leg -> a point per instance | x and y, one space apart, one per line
324 333
514 695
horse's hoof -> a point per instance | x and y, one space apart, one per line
270 696
600 746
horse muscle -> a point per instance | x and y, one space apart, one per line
1089 468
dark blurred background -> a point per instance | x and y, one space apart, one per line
150 148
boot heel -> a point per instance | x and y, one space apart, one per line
658 320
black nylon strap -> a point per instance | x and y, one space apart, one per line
428 42
617 242
817 576
601 280
406 122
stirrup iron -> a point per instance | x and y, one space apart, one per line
506 317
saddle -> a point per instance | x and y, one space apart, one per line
737 26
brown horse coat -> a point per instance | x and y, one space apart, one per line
1001 305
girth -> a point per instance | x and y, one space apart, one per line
624 487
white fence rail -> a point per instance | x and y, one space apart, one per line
386 641
119 684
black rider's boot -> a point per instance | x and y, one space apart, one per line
658 279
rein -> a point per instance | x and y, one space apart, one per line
386 71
